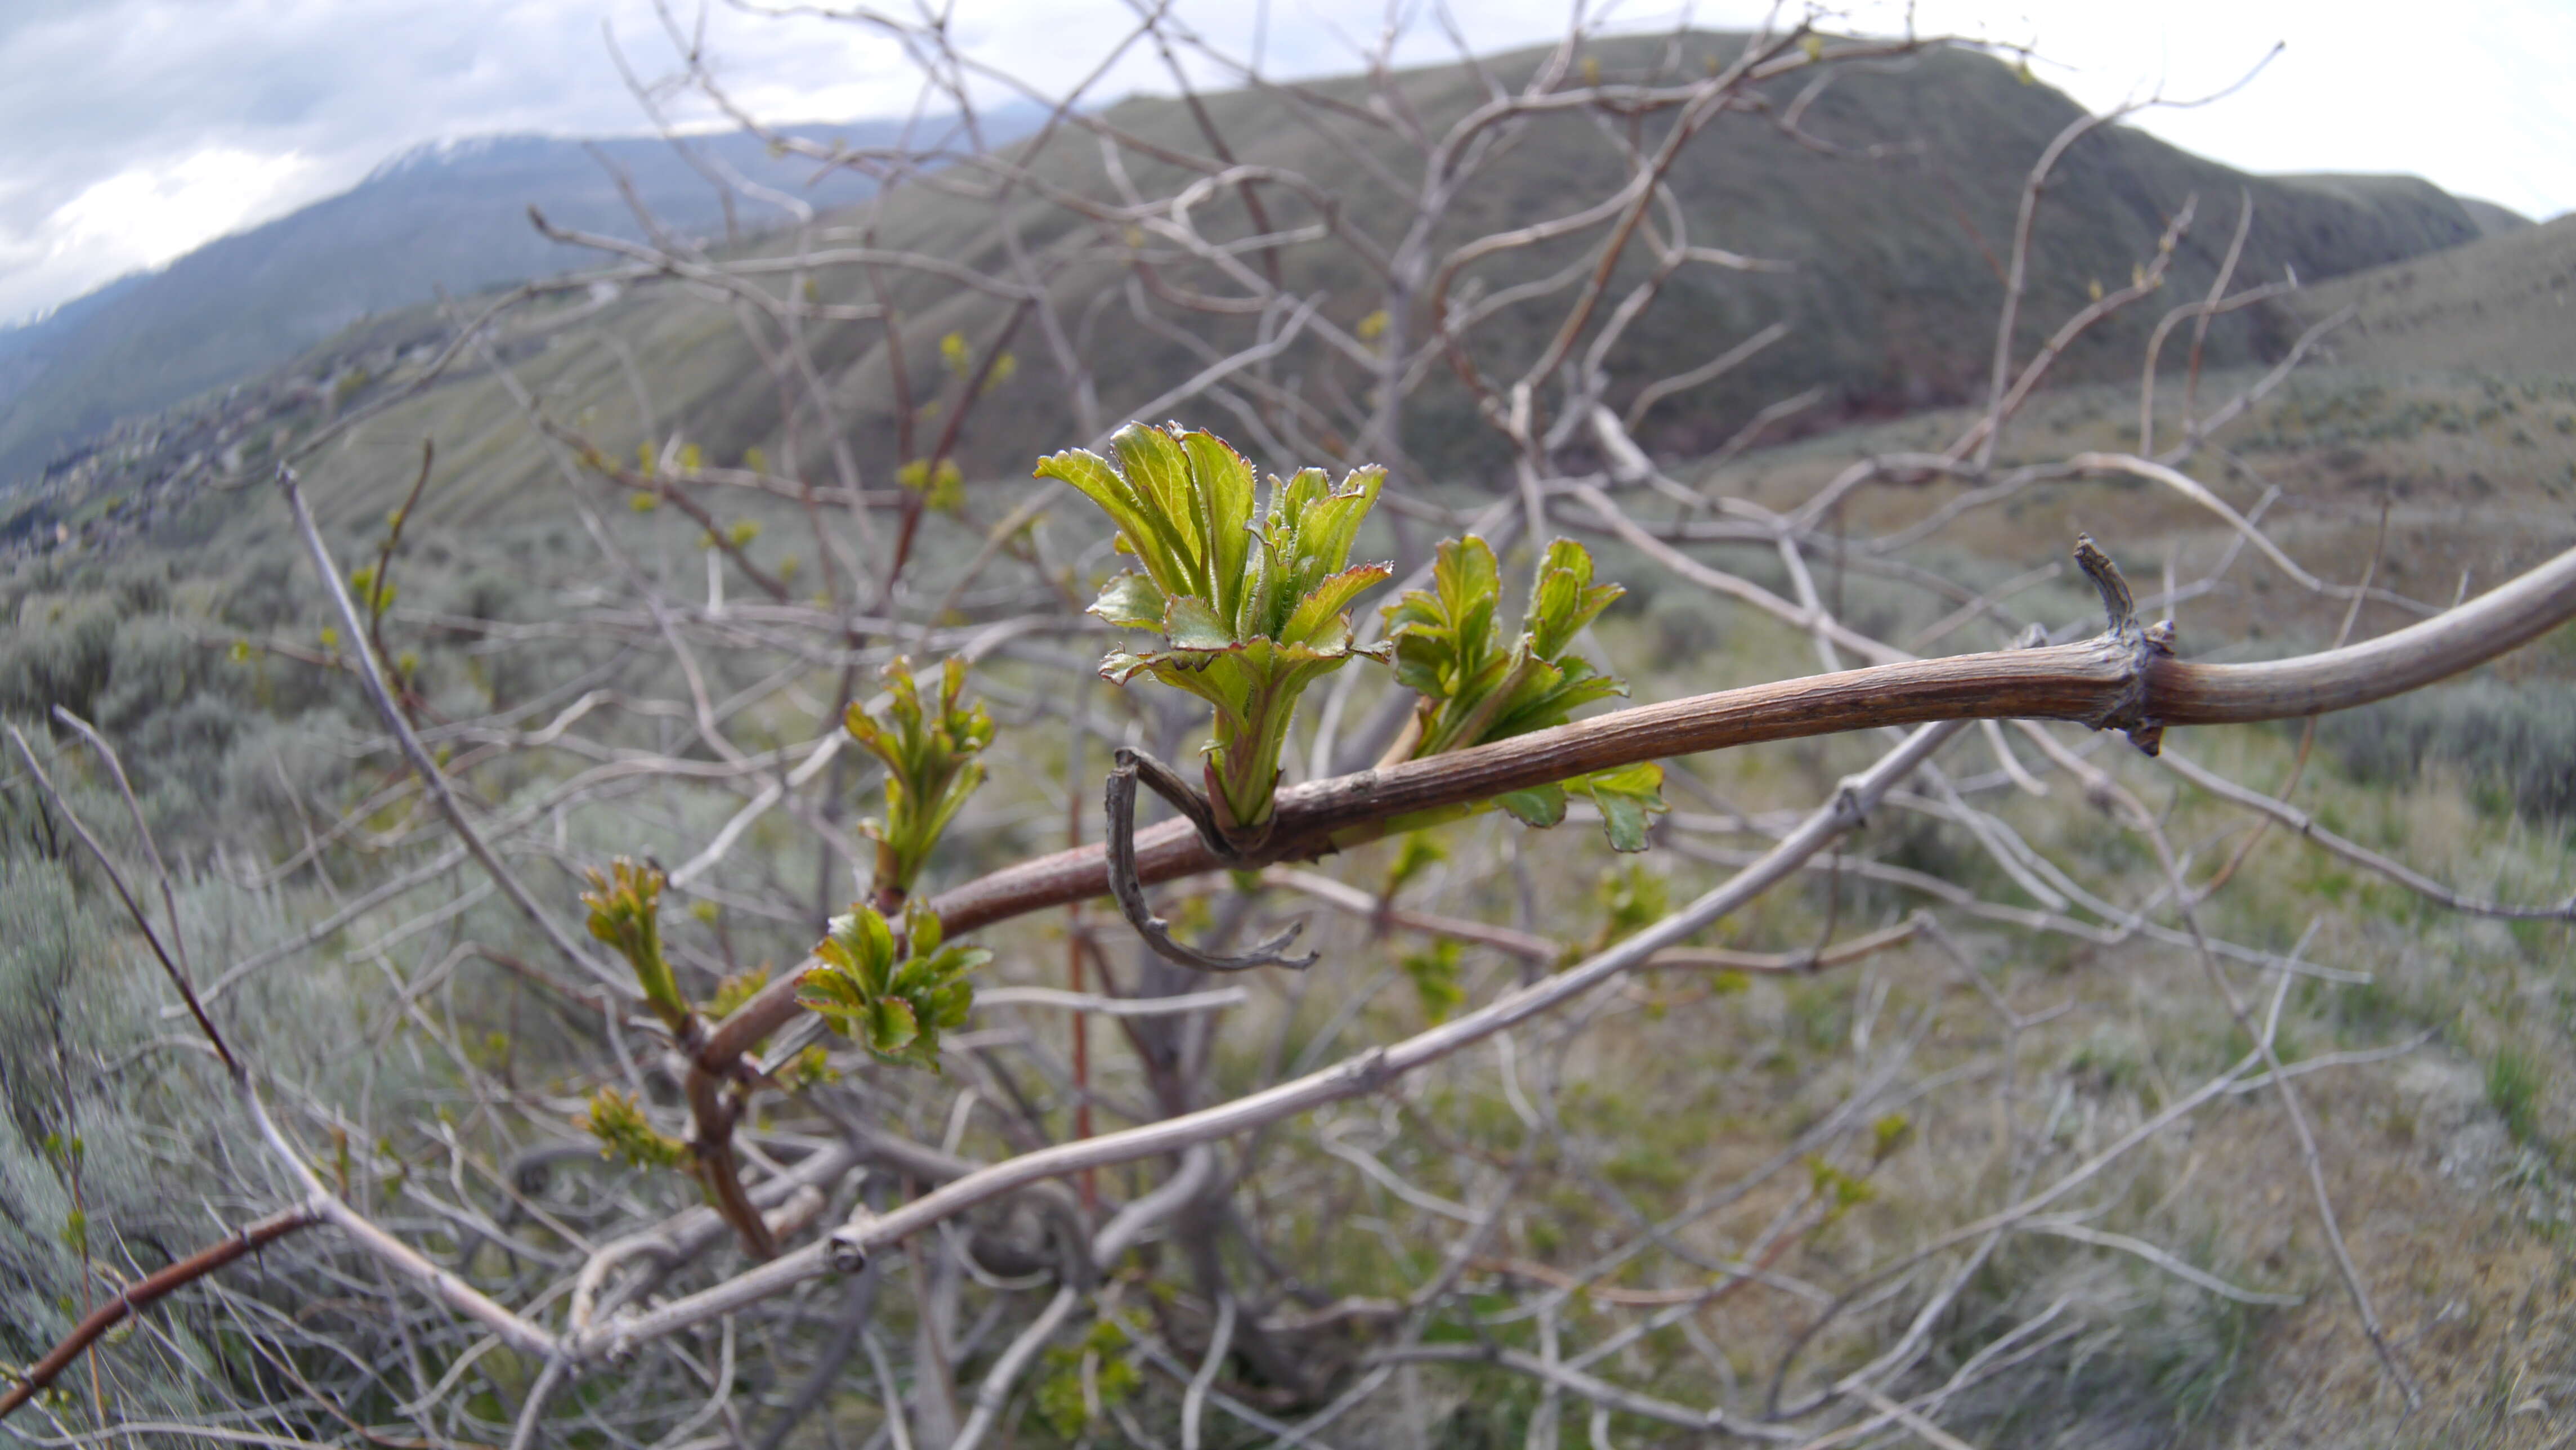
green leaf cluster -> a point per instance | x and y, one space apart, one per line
625 912
929 750
1435 979
808 1069
1841 1192
65 1153
1064 1401
1476 687
623 1131
1888 1134
1629 798
942 488
734 988
893 997
1250 613
1633 897
373 593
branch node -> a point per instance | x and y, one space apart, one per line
2141 647
1185 798
1371 1071
2117 602
1120 801
846 1247
620 1350
1849 813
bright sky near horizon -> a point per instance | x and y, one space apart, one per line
133 131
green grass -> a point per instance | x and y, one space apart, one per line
2514 1086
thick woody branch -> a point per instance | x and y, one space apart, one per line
2092 683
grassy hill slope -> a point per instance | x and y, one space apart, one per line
1897 270
2506 304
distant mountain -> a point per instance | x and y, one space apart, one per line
1898 270
449 216
2492 219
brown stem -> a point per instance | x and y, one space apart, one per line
144 1290
178 974
2094 683
713 1118
378 597
1120 799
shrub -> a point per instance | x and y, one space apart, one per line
2520 738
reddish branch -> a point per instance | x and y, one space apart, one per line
2114 681
143 1291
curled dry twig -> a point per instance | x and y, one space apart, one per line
1119 798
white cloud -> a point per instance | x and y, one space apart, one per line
2474 99
140 218
149 214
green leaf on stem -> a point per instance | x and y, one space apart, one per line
1477 688
625 911
892 996
1629 798
1540 805
1252 607
929 749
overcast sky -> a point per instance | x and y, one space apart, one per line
132 131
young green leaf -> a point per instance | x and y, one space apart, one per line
1540 805
1476 688
1629 798
625 910
929 751
1633 897
1250 615
1419 853
1435 979
893 997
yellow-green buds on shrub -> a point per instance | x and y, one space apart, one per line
892 997
624 1132
625 910
1250 616
929 752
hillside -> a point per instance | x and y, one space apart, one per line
2498 305
2495 220
1896 260
1896 268
450 217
